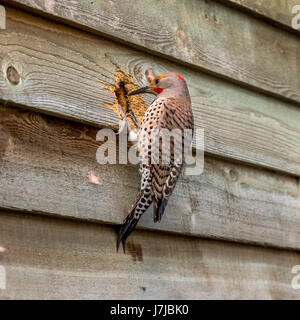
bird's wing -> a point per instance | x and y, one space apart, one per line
167 114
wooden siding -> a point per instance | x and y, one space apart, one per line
50 259
58 67
57 233
278 11
46 164
204 34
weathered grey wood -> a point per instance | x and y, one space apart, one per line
58 66
278 11
56 76
56 259
204 34
49 166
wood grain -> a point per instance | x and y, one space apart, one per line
56 259
279 11
58 67
47 163
203 34
55 77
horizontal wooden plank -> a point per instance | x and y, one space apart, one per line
279 11
49 166
204 34
58 66
56 259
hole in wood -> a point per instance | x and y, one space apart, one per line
124 85
122 96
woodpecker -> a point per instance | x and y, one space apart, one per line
170 110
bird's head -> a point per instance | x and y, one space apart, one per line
171 83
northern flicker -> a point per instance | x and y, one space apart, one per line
170 110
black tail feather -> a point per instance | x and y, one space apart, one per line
141 201
162 208
159 209
125 230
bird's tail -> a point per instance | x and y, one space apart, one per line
127 227
140 205
159 209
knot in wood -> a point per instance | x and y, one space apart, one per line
12 75
233 175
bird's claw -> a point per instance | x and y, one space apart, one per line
125 124
134 119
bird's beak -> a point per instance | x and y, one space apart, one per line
141 90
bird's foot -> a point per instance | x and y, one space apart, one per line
125 123
133 134
134 119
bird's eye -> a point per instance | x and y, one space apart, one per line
156 81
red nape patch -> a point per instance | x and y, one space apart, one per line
179 77
158 90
